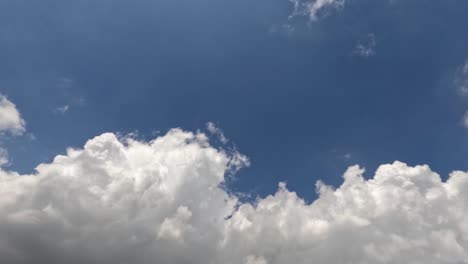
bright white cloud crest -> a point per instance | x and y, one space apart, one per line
126 201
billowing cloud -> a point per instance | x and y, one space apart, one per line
10 118
127 201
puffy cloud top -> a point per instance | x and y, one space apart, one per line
127 201
10 118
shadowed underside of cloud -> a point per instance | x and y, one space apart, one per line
127 201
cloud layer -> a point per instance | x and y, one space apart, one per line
127 201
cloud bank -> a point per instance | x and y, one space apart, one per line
162 201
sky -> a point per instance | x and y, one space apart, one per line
346 118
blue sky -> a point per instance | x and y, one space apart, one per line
233 132
368 82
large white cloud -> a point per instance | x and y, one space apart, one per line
126 201
10 118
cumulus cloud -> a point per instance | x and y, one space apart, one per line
10 118
128 201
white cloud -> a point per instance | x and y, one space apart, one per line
465 120
126 201
70 92
461 85
11 122
315 7
62 109
10 118
282 29
214 130
461 79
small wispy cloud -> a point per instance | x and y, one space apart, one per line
214 130
315 9
460 82
65 83
31 136
282 29
4 159
62 109
464 120
461 79
71 96
366 47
